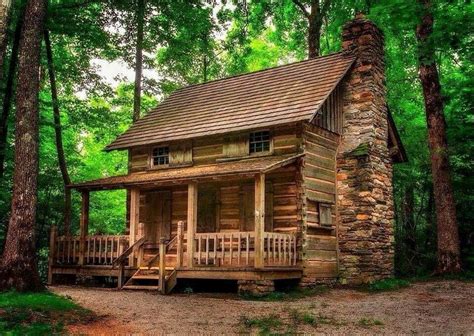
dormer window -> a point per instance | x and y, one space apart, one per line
259 142
160 156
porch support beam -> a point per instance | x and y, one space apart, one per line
134 219
259 218
83 225
191 221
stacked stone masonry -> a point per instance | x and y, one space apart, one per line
364 165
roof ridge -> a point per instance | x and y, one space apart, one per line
259 71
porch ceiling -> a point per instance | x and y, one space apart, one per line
184 174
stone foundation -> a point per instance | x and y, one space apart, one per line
364 165
256 287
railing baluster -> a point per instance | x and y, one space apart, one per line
199 250
231 247
247 256
223 249
239 247
207 249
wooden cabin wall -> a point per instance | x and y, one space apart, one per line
330 115
319 245
203 151
235 204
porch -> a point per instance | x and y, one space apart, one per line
201 245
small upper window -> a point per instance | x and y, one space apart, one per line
259 142
160 156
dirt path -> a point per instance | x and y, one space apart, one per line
445 307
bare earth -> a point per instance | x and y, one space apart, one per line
442 307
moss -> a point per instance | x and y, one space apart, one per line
361 150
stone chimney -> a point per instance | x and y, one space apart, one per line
364 166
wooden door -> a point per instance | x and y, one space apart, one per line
207 209
247 207
158 216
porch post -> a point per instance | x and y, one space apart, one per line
83 225
259 218
134 219
191 221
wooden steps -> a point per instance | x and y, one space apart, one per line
148 278
141 287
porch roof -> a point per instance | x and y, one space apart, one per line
183 174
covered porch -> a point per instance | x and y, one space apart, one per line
208 222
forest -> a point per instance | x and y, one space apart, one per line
104 63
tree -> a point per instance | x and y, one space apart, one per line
138 60
315 16
8 95
58 135
449 255
5 6
18 268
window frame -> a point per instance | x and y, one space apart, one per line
152 164
327 208
264 152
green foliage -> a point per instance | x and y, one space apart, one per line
38 313
388 285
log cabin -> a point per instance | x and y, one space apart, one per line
284 173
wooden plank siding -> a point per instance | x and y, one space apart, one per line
319 246
329 115
285 140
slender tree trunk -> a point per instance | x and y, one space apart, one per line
409 224
58 134
449 259
5 6
18 267
315 18
138 61
314 30
7 98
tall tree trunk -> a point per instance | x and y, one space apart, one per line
315 18
314 30
18 267
7 98
449 259
409 224
58 134
138 61
5 6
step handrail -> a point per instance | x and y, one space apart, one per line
168 247
119 260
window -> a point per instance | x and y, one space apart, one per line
259 142
160 156
325 214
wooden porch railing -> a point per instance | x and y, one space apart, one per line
279 249
237 249
98 249
225 249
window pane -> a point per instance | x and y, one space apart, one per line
259 142
160 156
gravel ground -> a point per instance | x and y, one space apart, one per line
441 307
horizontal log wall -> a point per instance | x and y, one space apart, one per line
285 140
319 243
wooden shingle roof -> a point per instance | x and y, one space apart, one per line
183 174
280 95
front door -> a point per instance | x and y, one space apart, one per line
158 216
207 209
248 207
